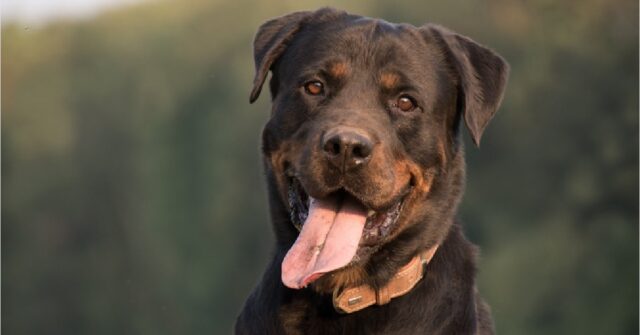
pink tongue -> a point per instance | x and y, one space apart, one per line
328 241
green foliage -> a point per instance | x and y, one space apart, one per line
132 184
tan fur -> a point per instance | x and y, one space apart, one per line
422 181
389 80
339 70
443 154
278 159
350 276
292 316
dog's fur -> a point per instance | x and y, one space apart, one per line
365 65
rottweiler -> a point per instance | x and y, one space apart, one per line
365 169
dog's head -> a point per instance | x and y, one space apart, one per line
362 148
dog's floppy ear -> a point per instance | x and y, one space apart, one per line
482 76
270 42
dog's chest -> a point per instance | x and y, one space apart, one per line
319 317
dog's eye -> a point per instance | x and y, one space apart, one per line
406 103
314 87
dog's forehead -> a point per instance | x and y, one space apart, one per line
365 42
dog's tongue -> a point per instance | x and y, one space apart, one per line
328 241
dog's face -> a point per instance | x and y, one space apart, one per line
362 146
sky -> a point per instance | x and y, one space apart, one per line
36 12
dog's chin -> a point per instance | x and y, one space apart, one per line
382 223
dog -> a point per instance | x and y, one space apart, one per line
365 169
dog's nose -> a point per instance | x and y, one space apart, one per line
347 149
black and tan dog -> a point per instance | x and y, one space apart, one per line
365 169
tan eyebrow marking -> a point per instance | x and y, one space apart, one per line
339 70
389 80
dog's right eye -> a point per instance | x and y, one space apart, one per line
314 87
406 104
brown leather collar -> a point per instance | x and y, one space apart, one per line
356 298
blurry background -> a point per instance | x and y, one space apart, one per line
133 199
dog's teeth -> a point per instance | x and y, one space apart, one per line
371 213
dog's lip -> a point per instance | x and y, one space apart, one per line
379 231
294 179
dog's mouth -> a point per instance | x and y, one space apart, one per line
378 224
332 229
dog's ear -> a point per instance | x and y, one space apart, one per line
270 42
482 76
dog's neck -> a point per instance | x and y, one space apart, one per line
353 299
